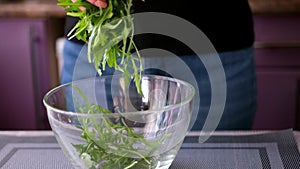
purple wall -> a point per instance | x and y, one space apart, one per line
278 70
23 72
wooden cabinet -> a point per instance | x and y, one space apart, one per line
277 55
27 72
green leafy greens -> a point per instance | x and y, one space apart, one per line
109 35
110 142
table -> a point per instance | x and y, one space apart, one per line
224 149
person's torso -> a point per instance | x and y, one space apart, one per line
227 24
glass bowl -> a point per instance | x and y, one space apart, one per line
103 122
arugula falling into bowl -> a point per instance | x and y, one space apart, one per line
122 121
108 33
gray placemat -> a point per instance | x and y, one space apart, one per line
274 150
262 151
33 156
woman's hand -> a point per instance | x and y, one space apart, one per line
99 3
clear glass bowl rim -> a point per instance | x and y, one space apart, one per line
165 108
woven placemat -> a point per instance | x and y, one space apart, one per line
260 151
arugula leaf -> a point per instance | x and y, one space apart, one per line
109 35
109 142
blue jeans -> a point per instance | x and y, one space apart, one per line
240 105
239 67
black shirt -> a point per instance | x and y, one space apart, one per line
228 24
